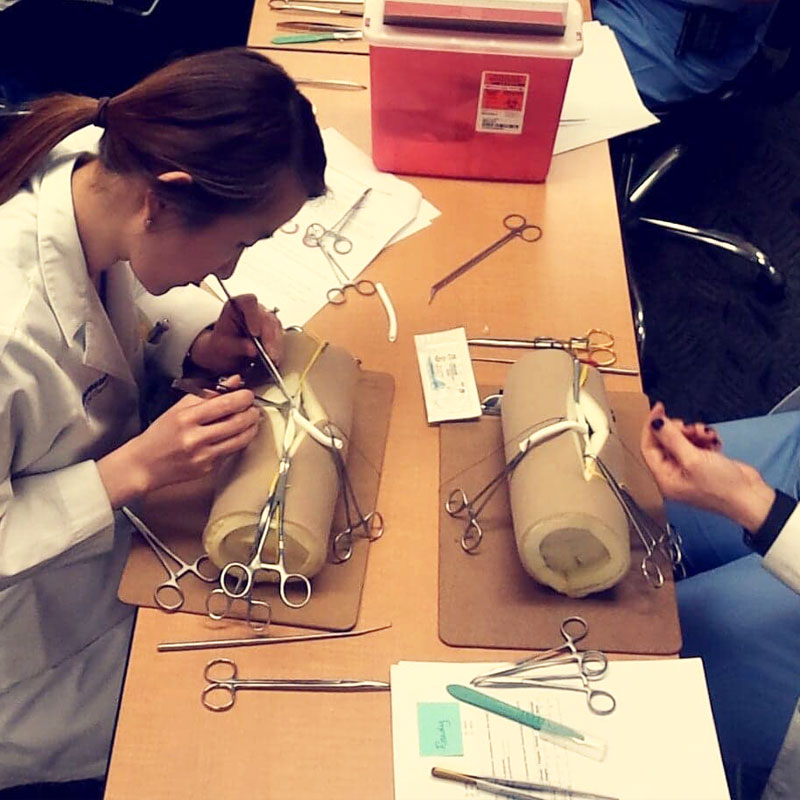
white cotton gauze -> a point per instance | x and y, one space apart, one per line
571 532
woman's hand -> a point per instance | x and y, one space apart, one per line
185 442
687 466
225 348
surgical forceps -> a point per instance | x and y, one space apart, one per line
164 589
236 578
458 502
595 347
370 524
228 683
283 5
591 666
517 227
665 541
316 233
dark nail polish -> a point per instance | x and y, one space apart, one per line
657 424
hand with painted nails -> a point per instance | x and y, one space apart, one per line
225 348
687 465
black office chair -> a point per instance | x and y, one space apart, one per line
773 75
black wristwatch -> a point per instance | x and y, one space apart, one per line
782 508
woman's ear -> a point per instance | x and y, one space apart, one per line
176 177
154 206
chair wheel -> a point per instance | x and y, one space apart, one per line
770 286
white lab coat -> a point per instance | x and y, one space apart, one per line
68 395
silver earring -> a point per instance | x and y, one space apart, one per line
148 223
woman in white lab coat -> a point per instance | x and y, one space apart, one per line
105 206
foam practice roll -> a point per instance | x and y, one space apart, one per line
571 532
328 393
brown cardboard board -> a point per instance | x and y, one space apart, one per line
178 514
488 600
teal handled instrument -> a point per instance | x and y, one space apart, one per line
304 38
553 732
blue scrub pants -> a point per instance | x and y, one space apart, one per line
741 620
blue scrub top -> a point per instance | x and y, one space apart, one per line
648 32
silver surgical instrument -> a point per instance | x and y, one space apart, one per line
212 644
591 666
326 83
284 5
517 227
170 586
655 539
266 361
457 502
608 370
237 578
517 790
223 679
316 233
595 347
366 526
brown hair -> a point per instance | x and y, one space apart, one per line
232 119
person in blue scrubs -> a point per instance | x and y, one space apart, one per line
731 494
678 50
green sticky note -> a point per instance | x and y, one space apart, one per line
439 729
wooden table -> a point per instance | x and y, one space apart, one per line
289 746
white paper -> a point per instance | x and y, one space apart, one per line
601 100
284 272
662 744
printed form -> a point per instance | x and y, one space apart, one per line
661 739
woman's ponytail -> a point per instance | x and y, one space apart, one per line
34 134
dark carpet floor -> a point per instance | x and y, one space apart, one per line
714 349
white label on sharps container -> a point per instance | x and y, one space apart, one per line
501 104
448 382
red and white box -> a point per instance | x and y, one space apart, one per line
467 104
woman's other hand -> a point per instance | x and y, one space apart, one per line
185 442
687 465
226 348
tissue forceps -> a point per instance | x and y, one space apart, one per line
236 578
591 666
665 542
595 347
371 524
517 227
283 5
228 683
170 584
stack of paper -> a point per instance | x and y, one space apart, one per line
285 272
601 99
661 741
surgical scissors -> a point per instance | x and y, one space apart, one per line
228 683
371 524
517 227
592 665
316 233
595 347
236 578
170 584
